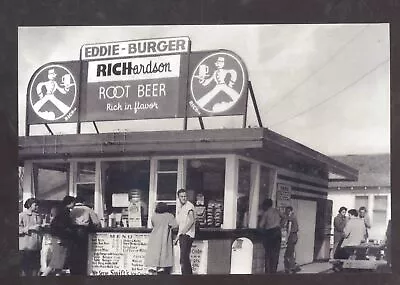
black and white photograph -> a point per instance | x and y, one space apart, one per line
204 149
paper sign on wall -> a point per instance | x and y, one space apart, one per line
120 200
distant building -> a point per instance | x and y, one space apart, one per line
372 190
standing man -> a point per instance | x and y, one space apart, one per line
83 218
186 230
270 222
354 230
292 227
30 238
338 229
354 235
362 212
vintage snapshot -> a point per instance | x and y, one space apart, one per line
227 149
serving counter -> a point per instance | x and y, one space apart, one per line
121 251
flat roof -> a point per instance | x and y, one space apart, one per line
374 170
260 144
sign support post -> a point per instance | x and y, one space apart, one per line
245 110
201 123
95 126
48 128
253 98
81 65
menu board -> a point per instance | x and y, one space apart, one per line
124 253
117 253
198 257
283 195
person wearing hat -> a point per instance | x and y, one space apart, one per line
30 238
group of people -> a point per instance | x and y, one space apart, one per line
272 222
350 230
49 248
159 255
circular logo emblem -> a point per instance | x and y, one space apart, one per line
218 82
53 92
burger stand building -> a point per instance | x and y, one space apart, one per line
227 172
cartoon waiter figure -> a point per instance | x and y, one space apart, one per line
51 87
219 77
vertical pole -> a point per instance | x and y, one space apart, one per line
27 126
185 120
28 189
231 191
181 176
245 110
272 184
98 190
81 65
152 190
181 183
72 178
253 98
255 173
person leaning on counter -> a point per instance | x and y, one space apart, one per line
83 219
271 223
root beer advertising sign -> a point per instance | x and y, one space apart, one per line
140 79
53 93
147 84
218 84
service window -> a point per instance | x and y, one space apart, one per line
51 184
205 184
85 182
167 177
126 186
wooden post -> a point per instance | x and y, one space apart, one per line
254 198
231 191
152 190
28 189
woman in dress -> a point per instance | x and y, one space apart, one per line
159 253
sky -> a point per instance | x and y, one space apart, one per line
324 86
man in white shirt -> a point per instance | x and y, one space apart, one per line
186 230
354 230
83 219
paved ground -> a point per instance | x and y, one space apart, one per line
316 267
326 267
